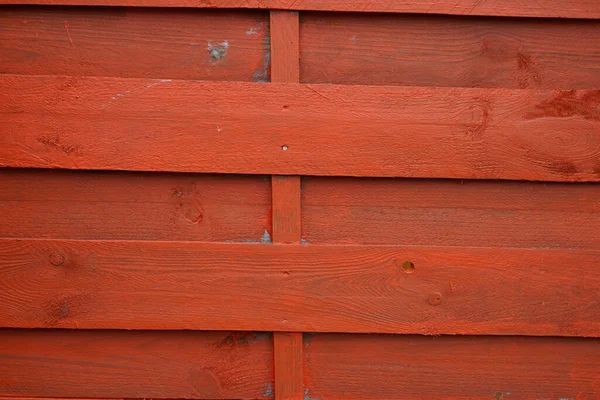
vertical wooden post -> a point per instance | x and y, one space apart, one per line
285 58
285 46
285 202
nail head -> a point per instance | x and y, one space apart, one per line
435 299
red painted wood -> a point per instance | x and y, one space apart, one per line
502 277
286 209
409 367
287 346
450 213
192 44
285 43
539 8
101 123
117 364
190 285
288 365
285 68
140 206
425 50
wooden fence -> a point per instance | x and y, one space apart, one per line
300 199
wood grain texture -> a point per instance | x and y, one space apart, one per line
287 346
286 209
186 365
288 366
539 8
188 285
285 46
135 43
410 367
291 129
285 68
126 206
450 213
421 50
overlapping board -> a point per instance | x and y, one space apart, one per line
306 288
257 128
539 8
212 45
449 51
408 367
120 364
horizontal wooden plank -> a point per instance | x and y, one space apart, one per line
79 398
213 286
451 51
119 364
135 43
450 213
410 367
141 206
293 129
538 8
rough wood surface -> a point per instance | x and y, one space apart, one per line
291 129
119 364
213 286
288 366
285 46
286 189
286 209
287 346
450 213
421 50
415 367
141 206
135 43
538 8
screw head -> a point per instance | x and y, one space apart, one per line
57 259
408 267
435 299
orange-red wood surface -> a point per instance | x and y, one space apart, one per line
135 43
237 127
306 288
140 206
286 208
286 189
416 367
120 364
425 50
285 46
288 364
450 213
538 8
122 221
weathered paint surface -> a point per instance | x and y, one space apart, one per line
516 8
164 86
